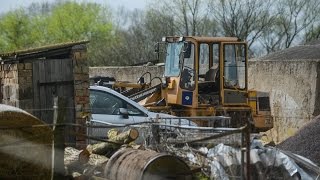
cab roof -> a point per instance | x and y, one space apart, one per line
210 39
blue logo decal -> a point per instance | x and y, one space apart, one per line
186 98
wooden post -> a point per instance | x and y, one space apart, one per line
155 130
243 148
248 144
58 138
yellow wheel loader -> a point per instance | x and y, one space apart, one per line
208 76
204 76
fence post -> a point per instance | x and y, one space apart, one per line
58 138
248 148
155 130
243 148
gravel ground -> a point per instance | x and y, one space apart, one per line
306 142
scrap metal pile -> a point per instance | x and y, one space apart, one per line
224 162
221 158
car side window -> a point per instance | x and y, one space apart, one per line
134 111
106 103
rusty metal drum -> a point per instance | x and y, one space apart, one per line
131 164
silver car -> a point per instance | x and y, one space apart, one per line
109 107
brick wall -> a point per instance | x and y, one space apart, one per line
16 85
9 84
25 87
81 89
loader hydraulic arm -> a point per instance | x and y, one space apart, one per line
145 93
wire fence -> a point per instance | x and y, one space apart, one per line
169 132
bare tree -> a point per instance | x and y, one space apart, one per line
313 32
297 16
187 15
295 23
245 19
271 39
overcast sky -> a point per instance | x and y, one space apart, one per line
7 5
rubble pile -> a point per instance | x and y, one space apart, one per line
305 142
119 158
90 162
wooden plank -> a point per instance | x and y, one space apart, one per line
49 90
59 70
68 68
42 91
36 89
66 91
56 70
68 64
59 137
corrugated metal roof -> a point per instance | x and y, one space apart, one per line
309 51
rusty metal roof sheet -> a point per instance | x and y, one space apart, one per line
39 51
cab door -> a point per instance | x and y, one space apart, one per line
234 73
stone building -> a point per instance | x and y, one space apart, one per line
293 80
30 79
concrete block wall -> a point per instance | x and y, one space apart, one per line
81 90
127 73
294 92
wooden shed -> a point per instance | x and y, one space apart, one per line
31 78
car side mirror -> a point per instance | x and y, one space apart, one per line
124 113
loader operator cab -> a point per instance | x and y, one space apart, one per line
202 71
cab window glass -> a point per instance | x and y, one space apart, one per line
173 59
234 66
187 77
215 54
203 59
